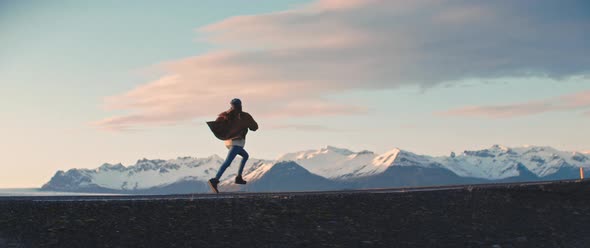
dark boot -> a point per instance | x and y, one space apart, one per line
213 184
239 180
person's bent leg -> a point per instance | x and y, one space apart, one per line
231 154
245 157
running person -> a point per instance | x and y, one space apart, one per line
232 127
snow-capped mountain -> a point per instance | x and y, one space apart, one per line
500 162
144 175
336 163
282 176
343 168
329 168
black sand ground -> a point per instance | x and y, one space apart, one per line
555 215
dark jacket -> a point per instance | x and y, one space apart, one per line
232 124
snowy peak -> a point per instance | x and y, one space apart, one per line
334 149
497 151
500 162
108 167
256 173
386 158
269 167
328 151
332 162
500 148
405 158
494 151
338 163
398 157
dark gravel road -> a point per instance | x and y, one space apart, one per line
512 215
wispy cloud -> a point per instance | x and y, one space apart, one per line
577 101
283 64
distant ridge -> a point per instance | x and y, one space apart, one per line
328 168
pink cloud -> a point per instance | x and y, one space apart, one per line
339 4
282 30
569 102
284 64
202 86
578 100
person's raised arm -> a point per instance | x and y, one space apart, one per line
253 125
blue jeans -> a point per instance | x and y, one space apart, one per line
233 151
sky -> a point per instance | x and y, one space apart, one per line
92 82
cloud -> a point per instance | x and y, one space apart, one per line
286 64
577 101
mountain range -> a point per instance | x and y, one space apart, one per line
328 168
